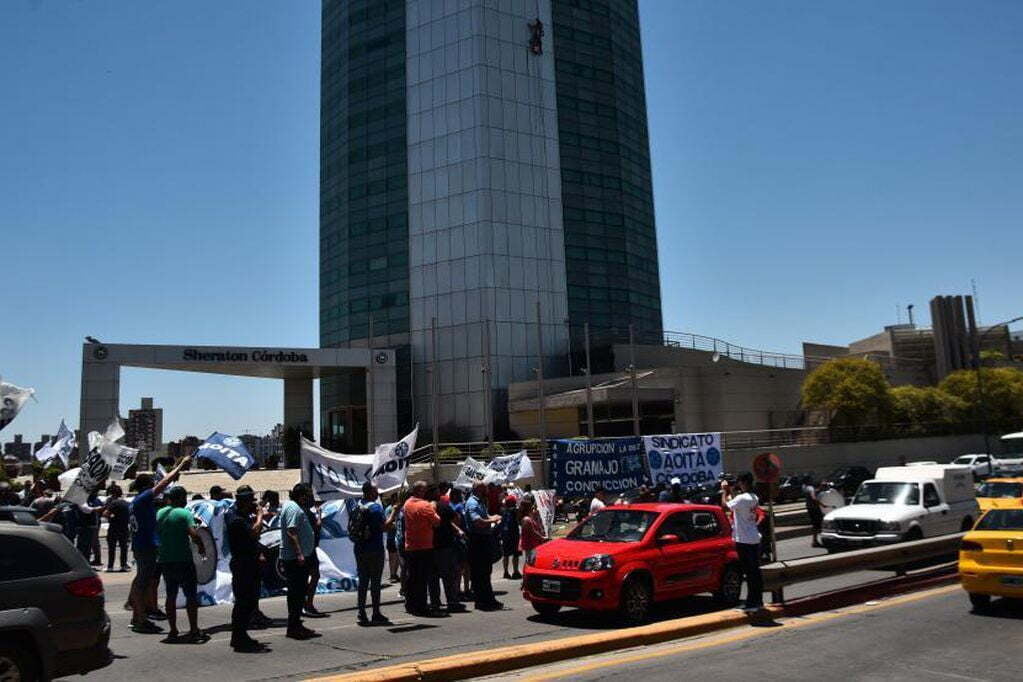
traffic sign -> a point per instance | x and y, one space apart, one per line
767 467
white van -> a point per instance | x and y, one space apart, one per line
904 503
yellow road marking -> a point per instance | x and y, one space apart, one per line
750 634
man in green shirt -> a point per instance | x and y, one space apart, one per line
176 528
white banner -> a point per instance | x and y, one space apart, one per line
11 399
336 553
334 475
545 501
470 473
391 460
693 458
508 468
106 459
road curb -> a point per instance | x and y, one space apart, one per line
477 663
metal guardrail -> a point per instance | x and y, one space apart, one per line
783 573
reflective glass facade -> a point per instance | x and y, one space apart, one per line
610 239
363 193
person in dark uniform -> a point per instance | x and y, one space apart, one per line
243 531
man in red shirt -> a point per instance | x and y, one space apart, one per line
420 519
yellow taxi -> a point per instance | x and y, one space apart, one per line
991 556
996 493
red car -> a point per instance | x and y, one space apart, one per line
625 558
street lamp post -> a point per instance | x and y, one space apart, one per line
980 387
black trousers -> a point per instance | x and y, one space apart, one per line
370 566
297 579
245 585
749 557
420 567
480 563
115 540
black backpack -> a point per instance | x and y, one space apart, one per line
358 524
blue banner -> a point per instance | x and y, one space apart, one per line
579 467
228 453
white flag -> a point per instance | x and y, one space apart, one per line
60 447
508 468
66 443
46 453
11 399
470 473
546 501
391 460
106 459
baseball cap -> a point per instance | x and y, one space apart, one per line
244 492
676 481
216 490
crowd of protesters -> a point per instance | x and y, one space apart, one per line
438 543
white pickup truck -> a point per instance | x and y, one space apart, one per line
904 503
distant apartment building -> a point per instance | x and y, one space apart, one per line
184 447
18 448
145 427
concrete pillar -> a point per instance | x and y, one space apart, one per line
384 410
101 393
298 404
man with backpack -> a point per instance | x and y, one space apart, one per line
366 530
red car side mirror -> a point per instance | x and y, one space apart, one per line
670 539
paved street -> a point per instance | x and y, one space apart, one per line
924 636
346 646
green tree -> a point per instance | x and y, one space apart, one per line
926 405
853 391
1003 394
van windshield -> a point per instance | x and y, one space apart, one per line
879 492
963 460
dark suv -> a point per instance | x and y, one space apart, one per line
52 620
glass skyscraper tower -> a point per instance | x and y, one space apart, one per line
484 165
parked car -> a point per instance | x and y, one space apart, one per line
991 557
790 489
904 503
625 558
1000 492
982 466
846 480
52 620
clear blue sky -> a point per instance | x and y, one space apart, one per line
815 164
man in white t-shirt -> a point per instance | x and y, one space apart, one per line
743 507
597 503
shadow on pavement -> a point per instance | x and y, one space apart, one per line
1002 608
590 620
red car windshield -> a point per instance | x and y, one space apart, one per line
614 525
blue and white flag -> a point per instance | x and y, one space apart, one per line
64 444
11 399
227 452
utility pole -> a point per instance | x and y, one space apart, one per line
487 406
589 382
632 378
370 412
539 385
434 412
